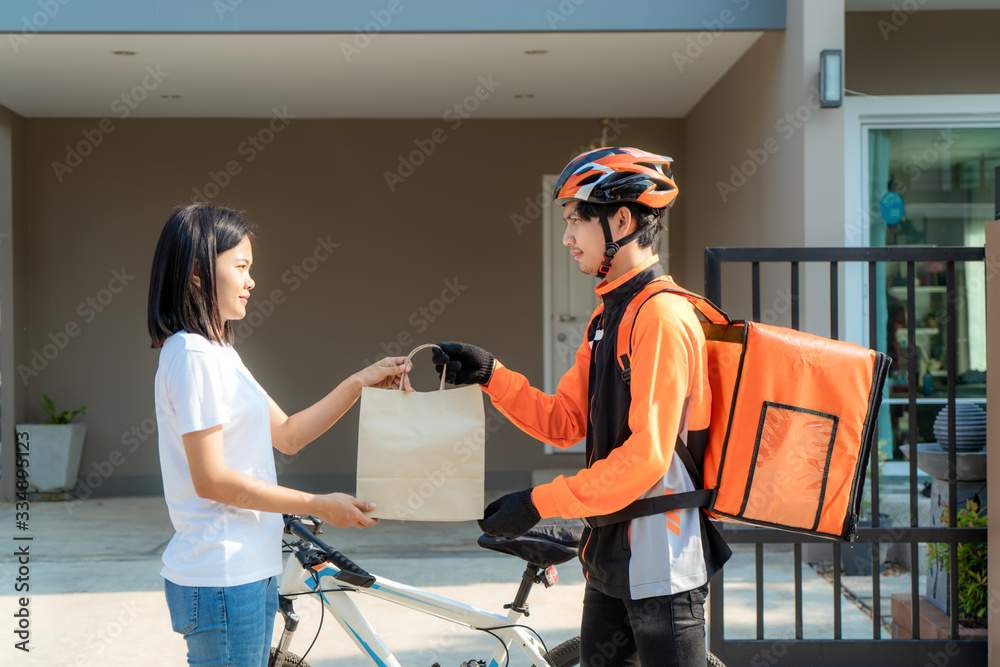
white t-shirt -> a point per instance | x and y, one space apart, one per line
198 385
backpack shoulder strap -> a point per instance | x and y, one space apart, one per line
664 284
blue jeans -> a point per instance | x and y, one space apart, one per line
666 631
229 626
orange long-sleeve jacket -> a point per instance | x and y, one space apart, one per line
666 399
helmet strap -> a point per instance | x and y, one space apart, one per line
612 247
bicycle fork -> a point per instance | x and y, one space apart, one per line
291 624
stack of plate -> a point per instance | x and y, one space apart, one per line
970 427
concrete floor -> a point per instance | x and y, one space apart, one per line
96 597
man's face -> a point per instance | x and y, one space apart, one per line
584 238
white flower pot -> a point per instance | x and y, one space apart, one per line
54 452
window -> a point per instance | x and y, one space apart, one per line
930 186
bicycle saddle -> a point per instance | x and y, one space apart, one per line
542 546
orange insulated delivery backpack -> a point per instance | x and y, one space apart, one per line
793 422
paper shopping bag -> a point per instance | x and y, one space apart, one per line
421 455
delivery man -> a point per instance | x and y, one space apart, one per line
647 577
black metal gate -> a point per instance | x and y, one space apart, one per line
878 650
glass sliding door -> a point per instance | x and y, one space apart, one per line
929 186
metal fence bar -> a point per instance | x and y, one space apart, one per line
713 276
874 254
895 653
837 597
835 334
951 351
834 301
753 535
759 572
872 336
797 564
755 288
873 468
912 357
795 295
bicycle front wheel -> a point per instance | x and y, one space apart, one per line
291 660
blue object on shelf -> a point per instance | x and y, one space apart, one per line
891 207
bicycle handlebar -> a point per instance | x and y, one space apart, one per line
349 571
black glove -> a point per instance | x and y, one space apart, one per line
510 516
463 364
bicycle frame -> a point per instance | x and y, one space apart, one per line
335 597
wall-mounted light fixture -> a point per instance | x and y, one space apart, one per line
831 77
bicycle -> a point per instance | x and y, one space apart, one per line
315 568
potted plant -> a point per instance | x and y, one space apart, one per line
972 589
972 602
55 449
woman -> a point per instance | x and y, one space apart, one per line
216 430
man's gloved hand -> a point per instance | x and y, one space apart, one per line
463 364
510 516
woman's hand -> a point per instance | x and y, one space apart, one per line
387 374
343 511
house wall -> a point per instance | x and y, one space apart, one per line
923 53
13 273
765 165
317 314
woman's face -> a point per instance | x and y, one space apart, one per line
233 282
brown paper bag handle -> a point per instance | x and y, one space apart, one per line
410 356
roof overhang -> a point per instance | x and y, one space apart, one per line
488 75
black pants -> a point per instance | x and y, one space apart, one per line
665 631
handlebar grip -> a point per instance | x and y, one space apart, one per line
350 572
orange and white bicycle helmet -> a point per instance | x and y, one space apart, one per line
613 175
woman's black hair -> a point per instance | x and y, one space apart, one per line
189 244
645 218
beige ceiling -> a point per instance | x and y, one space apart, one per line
390 76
